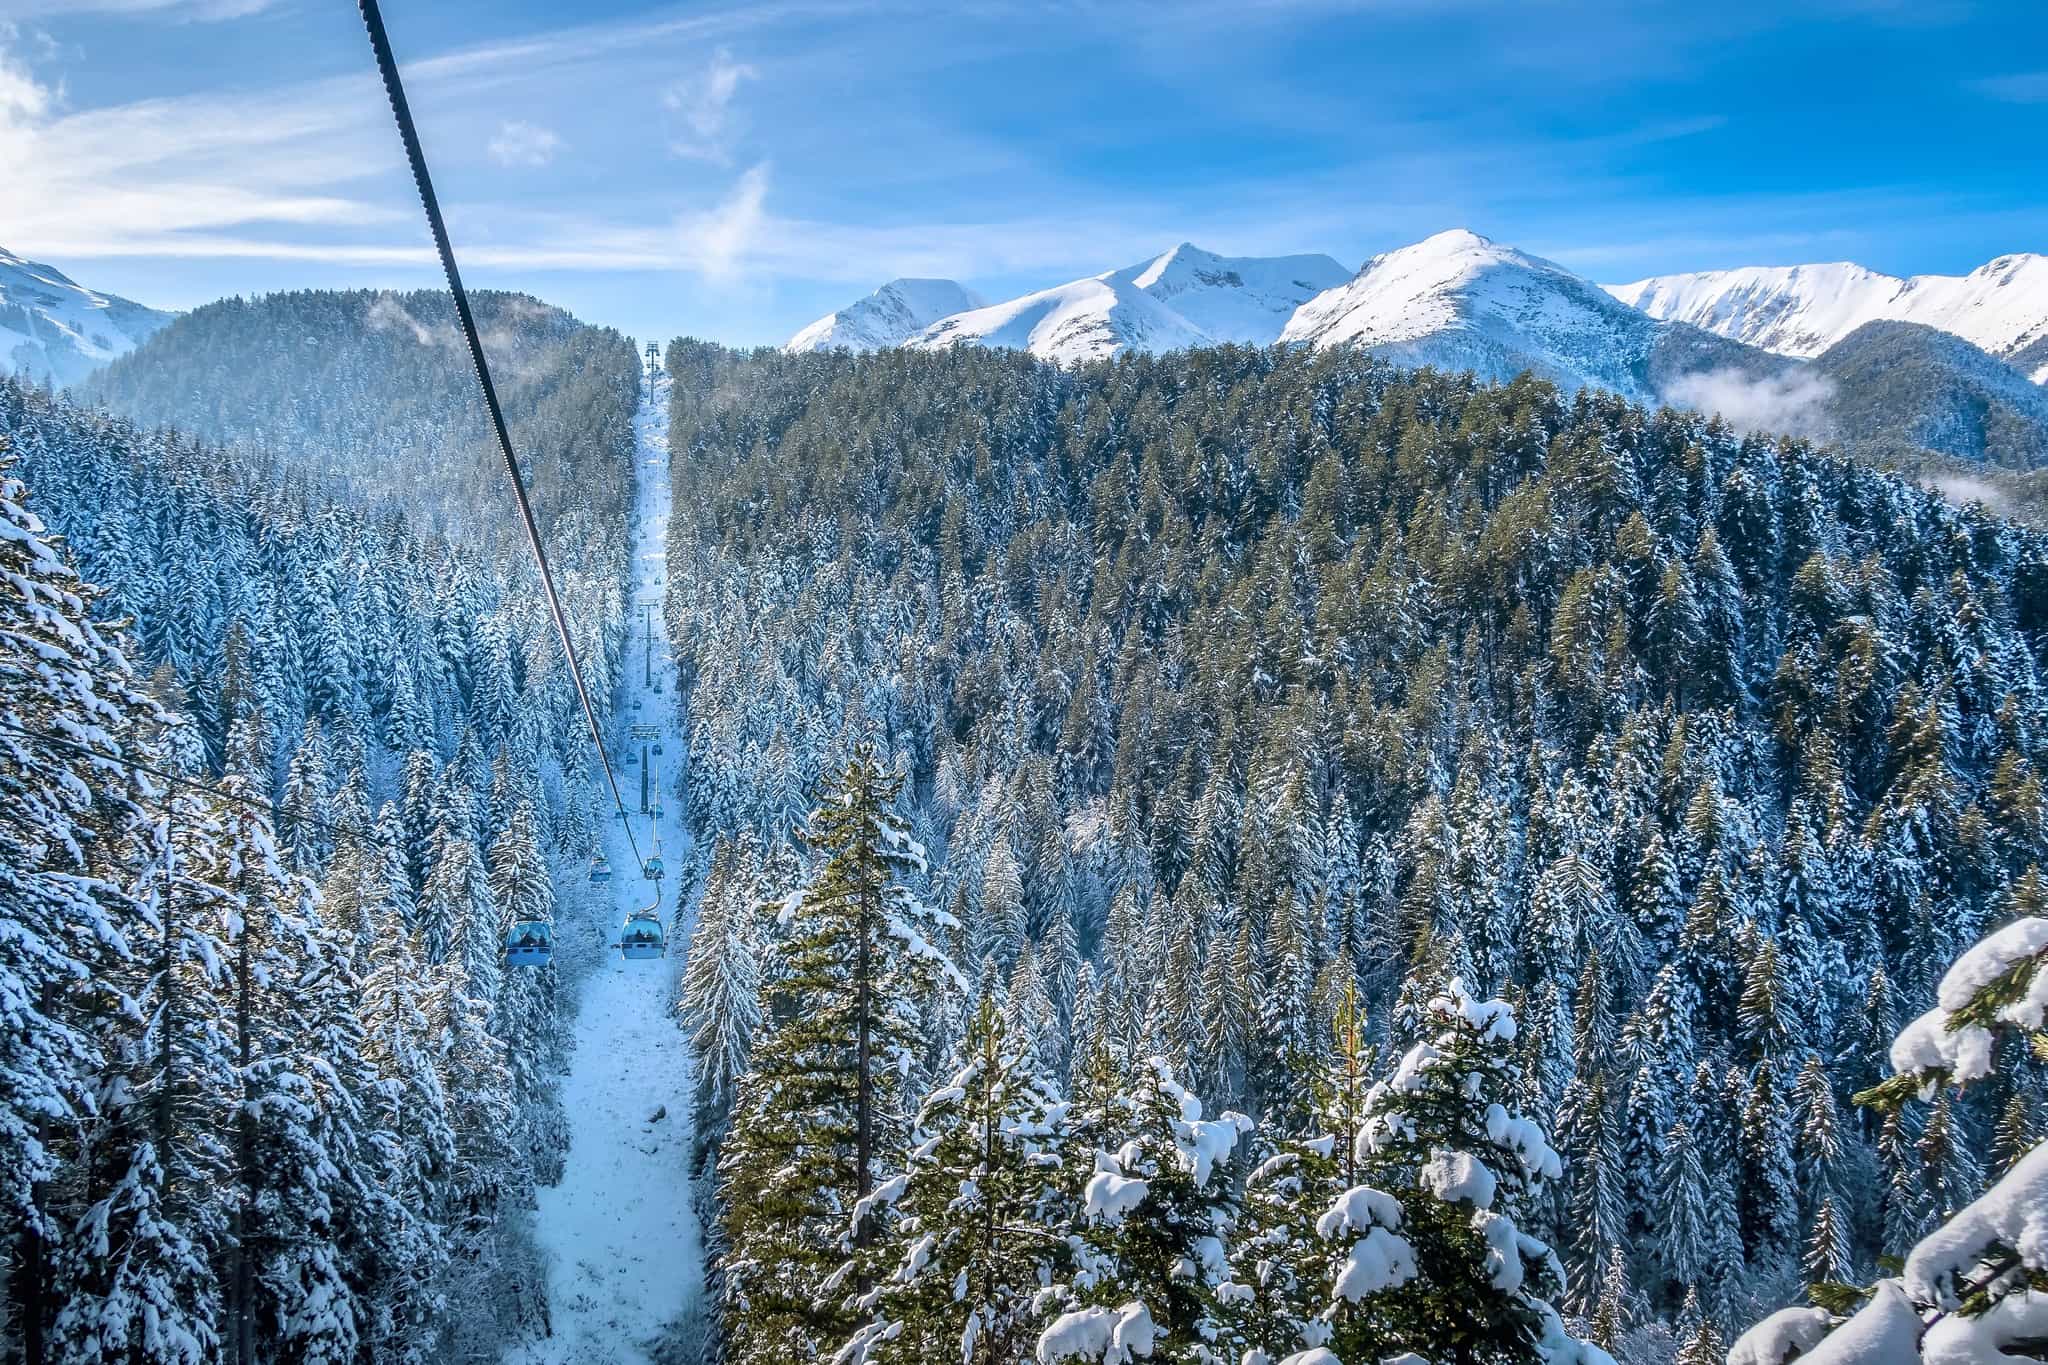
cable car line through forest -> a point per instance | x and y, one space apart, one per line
394 90
525 943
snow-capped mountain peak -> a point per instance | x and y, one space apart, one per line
54 328
890 316
1459 300
1801 310
1182 297
1246 299
1071 323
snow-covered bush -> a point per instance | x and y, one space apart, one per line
1974 1291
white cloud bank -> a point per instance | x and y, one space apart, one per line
1794 402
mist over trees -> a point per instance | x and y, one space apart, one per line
370 393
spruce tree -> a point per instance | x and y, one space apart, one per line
60 876
977 1213
1468 1171
820 1109
1155 1213
719 1004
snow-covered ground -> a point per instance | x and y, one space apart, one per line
622 1239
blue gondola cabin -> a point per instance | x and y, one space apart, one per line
641 937
529 943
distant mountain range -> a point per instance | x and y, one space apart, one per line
890 316
1953 365
1801 310
1461 302
1184 297
1832 351
54 329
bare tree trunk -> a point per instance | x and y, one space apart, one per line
864 1082
31 1288
244 1325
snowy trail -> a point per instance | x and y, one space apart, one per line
623 1242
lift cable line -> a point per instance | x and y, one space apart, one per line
395 90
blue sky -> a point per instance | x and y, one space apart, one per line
733 171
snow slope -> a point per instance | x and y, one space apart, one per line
1246 299
1071 324
1461 301
890 316
52 328
1801 310
626 1258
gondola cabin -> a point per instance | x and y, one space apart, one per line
632 759
653 869
529 943
657 748
641 937
600 870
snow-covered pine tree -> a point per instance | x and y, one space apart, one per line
143 1262
1315 1247
525 1019
295 1125
719 1000
821 1107
401 1015
1150 1250
1970 1288
977 1213
63 864
1468 1171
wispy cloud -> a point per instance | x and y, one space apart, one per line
23 98
2026 87
200 11
723 236
1963 490
519 143
154 168
701 106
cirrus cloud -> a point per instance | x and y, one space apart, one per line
702 107
519 143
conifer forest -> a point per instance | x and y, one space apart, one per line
1240 856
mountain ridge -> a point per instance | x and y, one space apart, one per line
53 328
1184 296
2001 307
890 316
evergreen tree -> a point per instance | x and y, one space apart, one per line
719 1003
1470 1171
973 1243
1151 1244
821 1106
